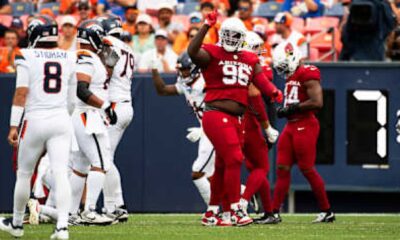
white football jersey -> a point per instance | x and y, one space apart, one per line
90 64
120 82
49 72
194 94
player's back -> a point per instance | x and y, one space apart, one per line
51 71
228 74
120 82
295 92
90 64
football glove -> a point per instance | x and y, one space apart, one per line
278 96
282 112
194 134
211 19
110 56
110 113
272 134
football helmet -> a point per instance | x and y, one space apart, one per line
232 34
111 23
286 59
42 29
253 43
91 32
184 62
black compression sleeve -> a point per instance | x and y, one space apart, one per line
83 91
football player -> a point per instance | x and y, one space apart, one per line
121 101
190 83
298 140
44 76
227 72
255 147
92 115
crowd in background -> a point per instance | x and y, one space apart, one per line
158 34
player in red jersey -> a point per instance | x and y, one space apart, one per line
298 140
255 147
228 72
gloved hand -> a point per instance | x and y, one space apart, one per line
110 56
194 134
110 113
282 112
272 134
211 18
278 96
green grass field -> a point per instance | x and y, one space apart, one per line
187 227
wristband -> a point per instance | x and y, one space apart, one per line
16 115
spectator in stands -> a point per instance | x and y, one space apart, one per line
304 8
7 53
223 6
164 16
162 57
182 40
113 6
5 7
129 25
283 22
212 34
143 40
364 35
18 26
245 9
181 45
47 11
151 7
84 10
67 39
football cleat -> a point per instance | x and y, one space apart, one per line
325 217
267 219
211 219
33 206
6 225
277 216
119 215
74 220
91 217
240 217
60 234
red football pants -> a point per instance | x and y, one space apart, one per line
256 154
298 144
226 134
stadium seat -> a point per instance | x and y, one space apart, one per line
268 10
314 54
21 8
54 6
323 42
315 25
337 10
188 8
298 24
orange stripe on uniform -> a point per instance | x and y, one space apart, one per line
83 53
83 116
23 130
113 105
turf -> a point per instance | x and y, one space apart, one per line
187 227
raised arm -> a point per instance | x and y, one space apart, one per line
162 88
199 56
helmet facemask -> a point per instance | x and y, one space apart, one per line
231 40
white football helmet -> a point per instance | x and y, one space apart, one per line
253 43
232 34
286 59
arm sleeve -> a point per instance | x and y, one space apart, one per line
257 103
22 76
264 85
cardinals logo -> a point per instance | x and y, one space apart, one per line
289 49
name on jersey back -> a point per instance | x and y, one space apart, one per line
51 54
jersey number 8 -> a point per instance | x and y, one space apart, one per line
52 77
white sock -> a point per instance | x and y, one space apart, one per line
63 197
213 208
112 188
95 183
21 196
49 211
77 184
244 203
226 216
242 189
203 185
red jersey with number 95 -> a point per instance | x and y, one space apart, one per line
228 75
295 91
